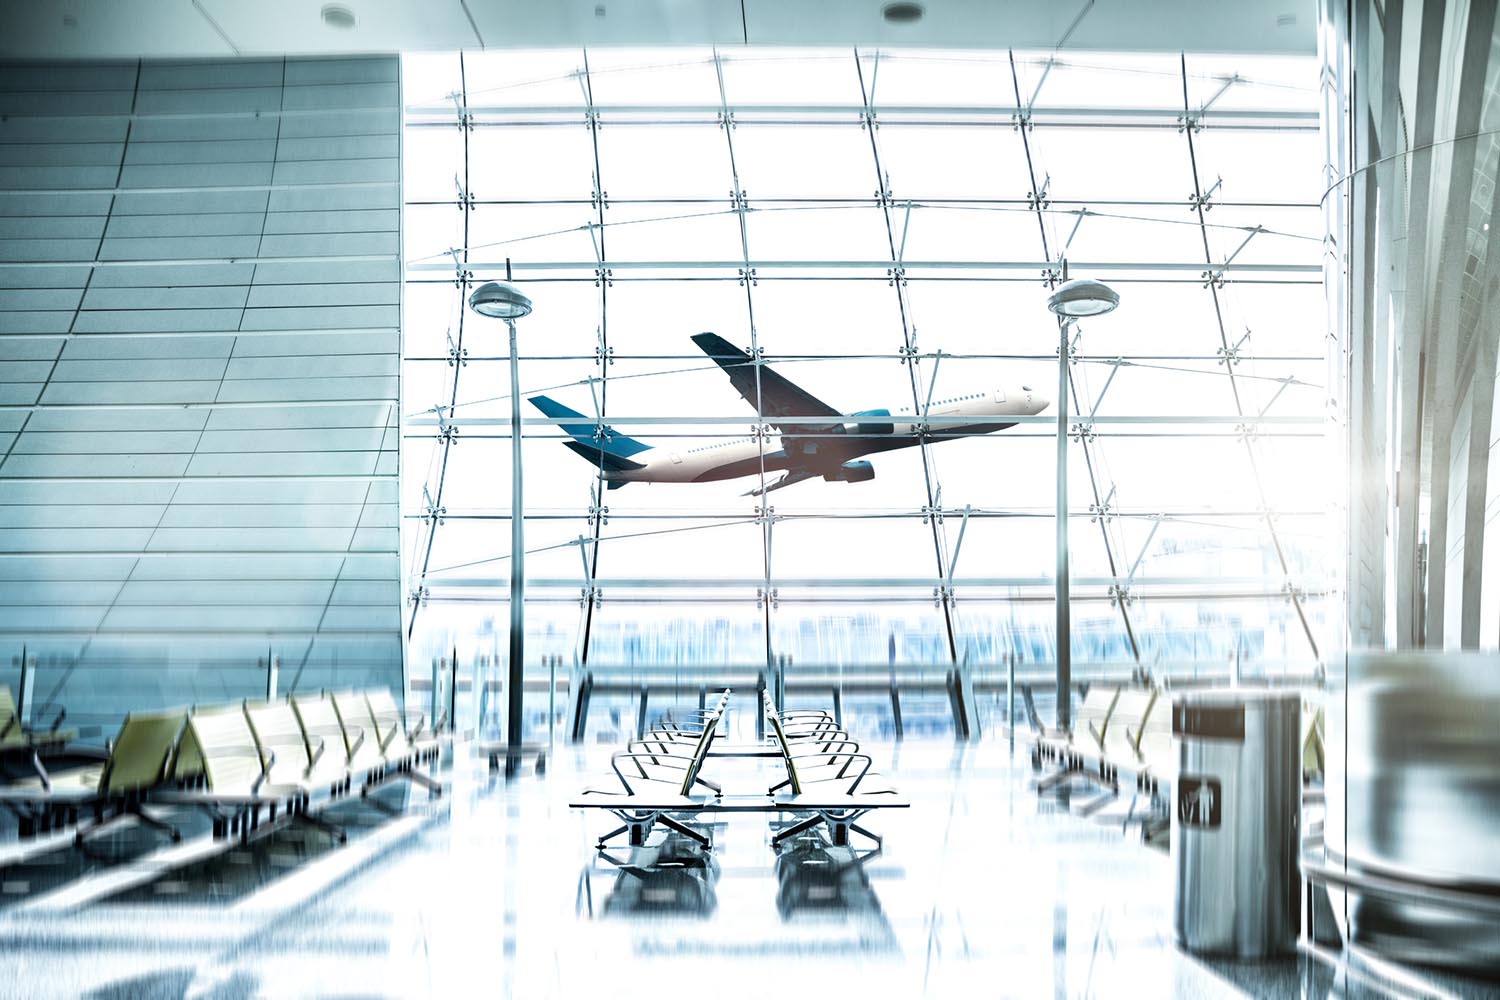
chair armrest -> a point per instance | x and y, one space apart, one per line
663 748
843 739
385 744
265 770
614 762
14 723
674 735
868 763
312 761
41 772
1098 736
654 757
260 756
815 734
57 720
810 726
354 747
827 749
412 732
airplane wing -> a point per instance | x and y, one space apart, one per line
778 398
792 476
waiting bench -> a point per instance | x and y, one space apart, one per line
659 780
237 762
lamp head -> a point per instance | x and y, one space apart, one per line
1083 297
499 300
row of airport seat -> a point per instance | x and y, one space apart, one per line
659 776
1124 733
238 762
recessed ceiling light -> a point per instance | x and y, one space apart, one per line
903 13
336 15
69 21
1286 20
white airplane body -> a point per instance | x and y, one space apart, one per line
831 449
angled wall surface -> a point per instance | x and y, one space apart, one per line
199 349
1423 154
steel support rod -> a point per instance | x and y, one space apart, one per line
1064 623
517 572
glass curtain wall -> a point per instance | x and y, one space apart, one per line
879 230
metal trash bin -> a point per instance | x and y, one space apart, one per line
1236 821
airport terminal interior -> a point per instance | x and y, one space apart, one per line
876 499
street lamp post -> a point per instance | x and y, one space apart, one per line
1072 299
502 300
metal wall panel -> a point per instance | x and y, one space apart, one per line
1421 340
198 434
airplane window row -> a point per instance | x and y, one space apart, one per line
957 399
711 447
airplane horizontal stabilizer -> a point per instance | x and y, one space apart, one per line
601 458
600 444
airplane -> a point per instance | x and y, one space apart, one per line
808 451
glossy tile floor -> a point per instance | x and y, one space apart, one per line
982 890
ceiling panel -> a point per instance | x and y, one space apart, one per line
131 28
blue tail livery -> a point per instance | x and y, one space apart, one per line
609 449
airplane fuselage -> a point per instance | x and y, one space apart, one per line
823 454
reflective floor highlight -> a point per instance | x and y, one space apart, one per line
495 889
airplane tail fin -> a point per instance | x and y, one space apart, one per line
608 449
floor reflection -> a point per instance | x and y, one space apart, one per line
671 874
980 889
816 878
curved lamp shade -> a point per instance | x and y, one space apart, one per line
1082 297
499 300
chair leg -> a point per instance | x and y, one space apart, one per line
384 807
319 823
792 831
1055 778
161 826
426 781
132 811
611 835
1094 805
672 824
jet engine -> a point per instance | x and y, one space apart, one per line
870 428
858 471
